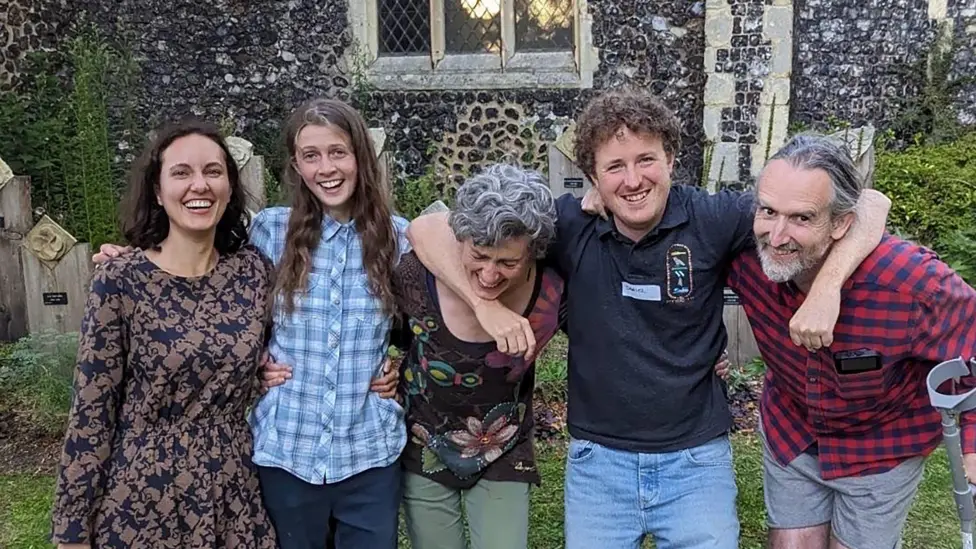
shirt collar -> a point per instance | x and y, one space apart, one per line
331 227
675 214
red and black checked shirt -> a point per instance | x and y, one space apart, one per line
902 302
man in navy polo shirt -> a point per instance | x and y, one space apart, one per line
649 422
846 429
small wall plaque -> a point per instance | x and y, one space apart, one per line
55 298
573 182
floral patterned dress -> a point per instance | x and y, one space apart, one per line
469 407
157 450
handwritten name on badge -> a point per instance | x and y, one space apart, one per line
643 292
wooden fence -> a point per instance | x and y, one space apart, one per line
44 271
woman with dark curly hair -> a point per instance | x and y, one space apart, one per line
157 450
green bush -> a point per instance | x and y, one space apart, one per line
412 195
932 188
958 249
55 128
36 374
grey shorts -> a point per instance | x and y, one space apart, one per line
865 512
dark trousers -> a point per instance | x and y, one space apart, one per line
360 512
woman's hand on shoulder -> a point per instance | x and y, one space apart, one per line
109 251
272 373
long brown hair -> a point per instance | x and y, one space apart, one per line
144 221
371 206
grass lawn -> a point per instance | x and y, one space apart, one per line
25 503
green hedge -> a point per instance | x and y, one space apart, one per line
932 189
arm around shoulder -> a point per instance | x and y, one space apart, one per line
433 241
813 324
436 247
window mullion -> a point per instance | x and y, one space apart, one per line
508 30
577 33
436 32
372 31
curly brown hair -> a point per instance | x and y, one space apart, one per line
605 114
371 206
144 221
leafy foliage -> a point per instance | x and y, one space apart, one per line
412 195
55 128
929 116
740 376
932 188
34 131
37 373
958 249
88 166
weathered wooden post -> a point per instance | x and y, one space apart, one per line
742 344
860 144
57 275
564 175
385 158
15 221
251 167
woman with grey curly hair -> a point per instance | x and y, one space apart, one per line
503 208
469 406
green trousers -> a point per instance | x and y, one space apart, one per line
497 513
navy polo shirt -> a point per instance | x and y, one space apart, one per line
645 320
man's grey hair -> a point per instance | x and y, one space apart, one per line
812 151
503 202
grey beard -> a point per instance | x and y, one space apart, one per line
778 272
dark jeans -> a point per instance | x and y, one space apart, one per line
360 512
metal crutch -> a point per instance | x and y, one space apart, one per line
950 406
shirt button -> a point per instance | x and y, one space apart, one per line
812 379
335 301
342 260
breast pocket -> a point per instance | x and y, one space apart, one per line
856 392
367 309
312 304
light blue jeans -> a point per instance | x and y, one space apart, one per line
683 499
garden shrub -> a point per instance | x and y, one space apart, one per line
414 194
932 188
36 375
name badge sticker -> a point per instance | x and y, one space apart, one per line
642 292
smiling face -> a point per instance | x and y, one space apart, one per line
494 271
194 187
326 161
793 226
633 177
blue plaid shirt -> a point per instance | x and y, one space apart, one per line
324 424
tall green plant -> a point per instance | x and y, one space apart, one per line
414 194
929 116
88 169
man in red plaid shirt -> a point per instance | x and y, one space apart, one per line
846 427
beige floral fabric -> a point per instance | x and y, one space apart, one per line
157 450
